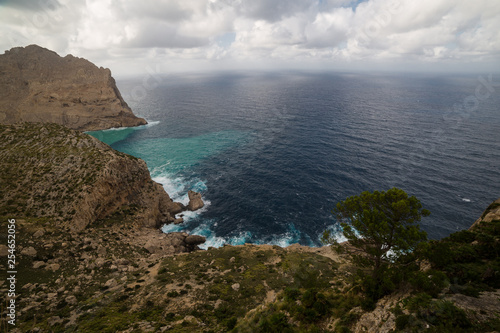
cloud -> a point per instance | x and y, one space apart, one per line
290 33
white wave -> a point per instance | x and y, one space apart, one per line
283 241
173 186
465 199
167 228
189 215
149 124
213 241
288 238
335 232
241 238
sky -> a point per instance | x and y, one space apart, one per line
139 36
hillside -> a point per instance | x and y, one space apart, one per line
37 85
49 171
89 258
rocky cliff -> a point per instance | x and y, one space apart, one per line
492 213
85 265
37 85
49 171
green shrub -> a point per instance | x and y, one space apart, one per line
402 321
275 323
430 282
419 301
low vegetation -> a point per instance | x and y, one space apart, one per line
101 279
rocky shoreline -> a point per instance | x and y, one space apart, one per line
113 277
90 256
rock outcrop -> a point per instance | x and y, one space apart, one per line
492 213
172 243
195 201
54 172
37 85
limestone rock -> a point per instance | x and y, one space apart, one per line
175 207
71 300
29 251
4 250
53 267
194 240
37 85
100 180
491 213
111 283
152 245
172 243
39 233
38 264
195 201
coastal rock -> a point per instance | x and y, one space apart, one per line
194 240
172 243
195 201
491 213
37 85
175 207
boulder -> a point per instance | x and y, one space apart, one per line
29 251
193 240
38 264
111 283
152 245
195 201
53 267
175 207
39 233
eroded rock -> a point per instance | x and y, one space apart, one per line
195 201
37 85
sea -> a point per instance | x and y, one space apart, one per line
273 152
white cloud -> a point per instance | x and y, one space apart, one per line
128 34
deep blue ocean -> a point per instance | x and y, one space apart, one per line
272 153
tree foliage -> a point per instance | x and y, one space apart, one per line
380 227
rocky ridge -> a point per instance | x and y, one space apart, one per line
37 85
51 172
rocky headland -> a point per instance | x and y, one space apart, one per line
50 171
37 85
90 258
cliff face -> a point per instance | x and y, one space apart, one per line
37 85
492 213
54 172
